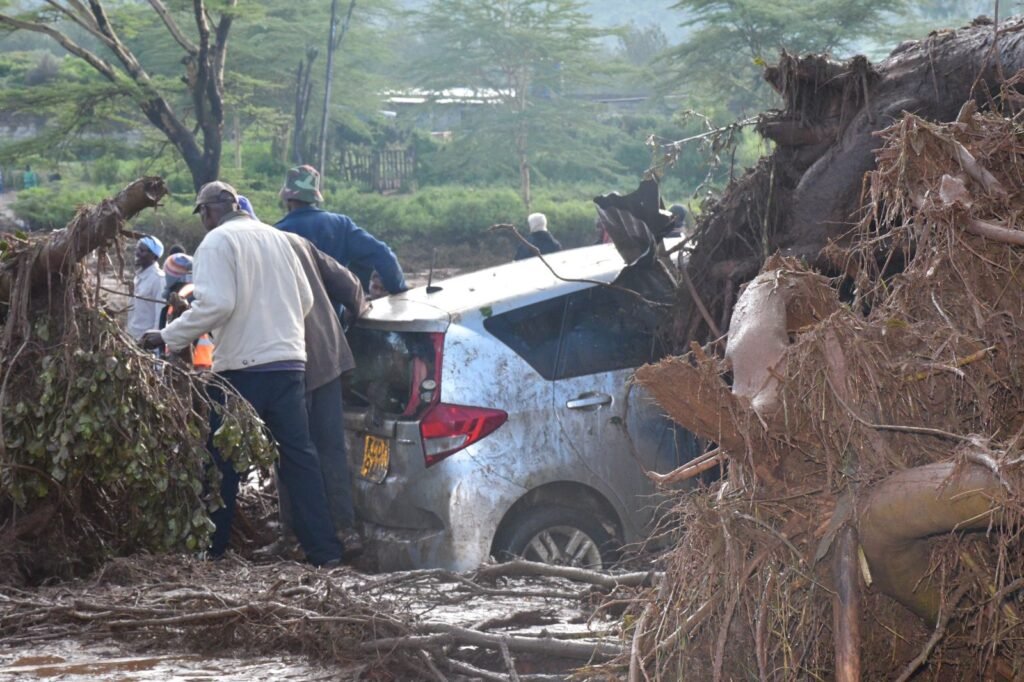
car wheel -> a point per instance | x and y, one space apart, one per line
562 536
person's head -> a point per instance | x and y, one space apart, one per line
214 201
538 222
178 268
175 248
301 187
147 250
681 217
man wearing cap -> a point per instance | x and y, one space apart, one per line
148 290
251 292
336 234
539 237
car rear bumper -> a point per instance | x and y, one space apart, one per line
439 522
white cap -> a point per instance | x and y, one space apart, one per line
538 222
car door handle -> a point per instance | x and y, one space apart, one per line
585 400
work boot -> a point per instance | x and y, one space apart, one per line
352 543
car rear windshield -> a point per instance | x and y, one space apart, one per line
389 365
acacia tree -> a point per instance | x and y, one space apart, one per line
204 55
729 41
519 56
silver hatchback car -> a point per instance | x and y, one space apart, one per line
493 415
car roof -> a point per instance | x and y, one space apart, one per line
509 284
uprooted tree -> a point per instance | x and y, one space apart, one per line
867 406
102 447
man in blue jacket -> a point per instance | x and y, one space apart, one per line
336 234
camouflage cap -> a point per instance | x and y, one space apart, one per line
302 184
211 192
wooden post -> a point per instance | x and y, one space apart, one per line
846 605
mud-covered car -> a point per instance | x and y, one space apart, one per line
492 415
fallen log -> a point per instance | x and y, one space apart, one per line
92 228
521 567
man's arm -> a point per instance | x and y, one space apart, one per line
341 285
363 247
214 298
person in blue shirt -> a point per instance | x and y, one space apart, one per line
336 234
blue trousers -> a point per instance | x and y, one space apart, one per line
327 429
279 399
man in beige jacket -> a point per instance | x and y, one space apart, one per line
252 293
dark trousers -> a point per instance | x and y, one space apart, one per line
279 399
327 429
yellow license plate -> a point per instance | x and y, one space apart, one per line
376 458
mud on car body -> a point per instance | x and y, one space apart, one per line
494 416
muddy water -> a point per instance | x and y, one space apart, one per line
69 661
85 658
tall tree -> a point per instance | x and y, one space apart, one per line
205 50
334 38
518 56
728 41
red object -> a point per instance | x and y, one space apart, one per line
421 371
447 428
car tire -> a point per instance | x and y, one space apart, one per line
559 535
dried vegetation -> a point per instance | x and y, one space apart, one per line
868 522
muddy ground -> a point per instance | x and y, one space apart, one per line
178 617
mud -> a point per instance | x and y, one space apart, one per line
72 661
176 618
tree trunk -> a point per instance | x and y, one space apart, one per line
325 114
524 166
333 43
303 89
92 228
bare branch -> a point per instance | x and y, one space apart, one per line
124 55
96 62
82 19
199 10
172 26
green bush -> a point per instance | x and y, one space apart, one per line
454 220
51 207
106 170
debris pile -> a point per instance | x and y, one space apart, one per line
513 621
869 518
102 447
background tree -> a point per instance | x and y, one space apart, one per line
522 56
720 62
205 53
335 35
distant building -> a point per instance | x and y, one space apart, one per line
440 111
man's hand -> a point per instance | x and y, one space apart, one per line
151 340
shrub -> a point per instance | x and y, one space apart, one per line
49 208
454 220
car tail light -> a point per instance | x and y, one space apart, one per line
447 428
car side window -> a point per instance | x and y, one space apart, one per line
607 329
532 332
